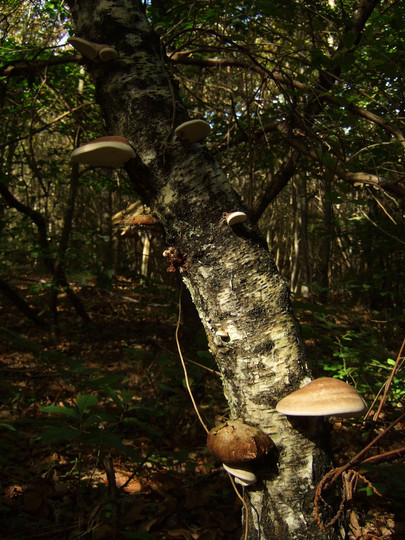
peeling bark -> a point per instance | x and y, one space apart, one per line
231 276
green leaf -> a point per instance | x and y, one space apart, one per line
126 396
92 419
102 438
86 402
326 158
101 416
147 428
349 39
318 58
344 60
56 409
114 396
7 426
60 433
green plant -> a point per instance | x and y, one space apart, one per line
84 423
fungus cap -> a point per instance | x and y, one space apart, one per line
223 334
193 131
142 222
323 397
107 53
159 30
84 47
110 151
237 443
235 217
93 50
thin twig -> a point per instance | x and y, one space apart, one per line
381 229
331 476
184 364
358 456
386 455
389 382
199 416
210 370
245 506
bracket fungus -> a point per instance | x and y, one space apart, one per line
109 151
192 131
142 223
223 334
323 397
235 217
239 446
92 51
159 30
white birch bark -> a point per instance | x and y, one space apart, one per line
231 276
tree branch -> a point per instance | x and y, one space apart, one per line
19 301
396 188
319 93
35 216
273 188
28 67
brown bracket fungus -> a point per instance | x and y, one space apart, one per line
323 397
142 222
192 131
92 51
239 446
110 151
235 217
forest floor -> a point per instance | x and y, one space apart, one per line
99 439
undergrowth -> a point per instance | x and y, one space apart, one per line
99 439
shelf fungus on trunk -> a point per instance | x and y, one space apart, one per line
142 223
239 447
222 334
93 51
323 397
108 151
192 131
233 218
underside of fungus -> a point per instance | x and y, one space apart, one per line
142 222
109 151
193 131
243 477
233 218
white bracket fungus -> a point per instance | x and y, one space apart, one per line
244 477
323 397
192 131
235 217
92 51
109 151
223 334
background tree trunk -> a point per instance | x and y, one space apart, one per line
230 274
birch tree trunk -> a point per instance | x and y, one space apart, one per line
230 274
